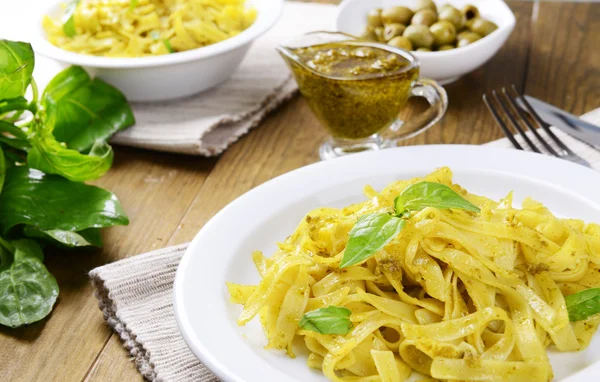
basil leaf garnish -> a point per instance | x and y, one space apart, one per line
16 67
430 194
330 320
584 304
69 18
370 233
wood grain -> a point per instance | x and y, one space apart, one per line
169 197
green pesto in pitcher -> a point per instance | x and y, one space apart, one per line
354 90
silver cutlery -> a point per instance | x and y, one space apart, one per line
506 103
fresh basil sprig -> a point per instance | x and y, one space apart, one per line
64 133
330 320
373 231
370 233
429 194
584 304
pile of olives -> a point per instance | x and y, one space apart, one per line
427 28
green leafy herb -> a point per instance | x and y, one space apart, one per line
69 18
49 202
16 67
168 46
80 111
583 304
370 233
330 320
2 169
27 290
429 194
90 237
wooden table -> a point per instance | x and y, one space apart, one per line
552 54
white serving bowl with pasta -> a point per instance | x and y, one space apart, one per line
169 76
271 219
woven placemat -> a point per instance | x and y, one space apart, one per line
135 295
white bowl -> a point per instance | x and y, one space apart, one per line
446 66
169 76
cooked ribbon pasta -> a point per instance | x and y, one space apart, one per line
136 28
456 295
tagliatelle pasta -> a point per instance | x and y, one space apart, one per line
456 295
136 28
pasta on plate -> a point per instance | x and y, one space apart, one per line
426 277
137 28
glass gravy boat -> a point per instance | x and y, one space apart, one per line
362 112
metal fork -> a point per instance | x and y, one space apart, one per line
509 106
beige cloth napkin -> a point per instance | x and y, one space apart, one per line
135 295
206 124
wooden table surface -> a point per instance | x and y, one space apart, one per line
552 54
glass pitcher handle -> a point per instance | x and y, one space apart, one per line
437 97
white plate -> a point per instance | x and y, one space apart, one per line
221 251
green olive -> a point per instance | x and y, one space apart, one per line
374 18
443 32
401 42
419 35
369 34
399 15
379 34
481 26
454 16
423 50
446 6
446 47
470 11
424 17
467 38
393 30
426 4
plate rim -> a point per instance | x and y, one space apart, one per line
220 370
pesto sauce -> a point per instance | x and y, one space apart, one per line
355 91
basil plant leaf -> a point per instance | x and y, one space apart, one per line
49 202
2 169
90 237
330 320
69 18
18 103
81 111
430 194
370 233
27 290
16 67
50 156
584 304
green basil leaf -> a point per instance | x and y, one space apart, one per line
68 18
90 237
370 234
16 67
18 103
168 46
51 157
584 304
429 194
27 290
49 202
330 320
81 111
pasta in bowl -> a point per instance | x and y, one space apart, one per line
130 47
426 277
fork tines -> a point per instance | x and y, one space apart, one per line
511 105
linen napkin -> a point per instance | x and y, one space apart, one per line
207 123
135 295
